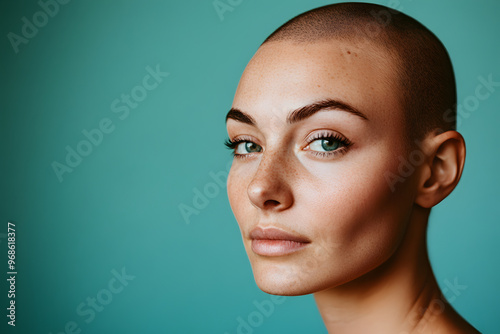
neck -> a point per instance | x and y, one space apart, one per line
401 295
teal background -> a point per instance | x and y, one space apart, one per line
120 207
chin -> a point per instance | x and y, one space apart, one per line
283 288
291 280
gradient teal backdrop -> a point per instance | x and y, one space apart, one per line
110 228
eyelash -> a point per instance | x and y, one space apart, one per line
344 142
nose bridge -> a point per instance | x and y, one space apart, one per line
270 186
274 162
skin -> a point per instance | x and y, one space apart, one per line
367 263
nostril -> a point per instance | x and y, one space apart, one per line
271 203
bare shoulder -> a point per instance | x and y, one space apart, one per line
446 322
454 323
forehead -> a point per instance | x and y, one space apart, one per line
285 75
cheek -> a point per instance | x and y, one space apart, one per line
361 205
356 220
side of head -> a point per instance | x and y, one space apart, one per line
325 114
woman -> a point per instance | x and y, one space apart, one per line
343 134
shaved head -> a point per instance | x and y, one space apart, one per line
423 66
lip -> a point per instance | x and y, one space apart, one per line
272 241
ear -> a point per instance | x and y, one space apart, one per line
442 171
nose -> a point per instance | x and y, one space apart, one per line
269 189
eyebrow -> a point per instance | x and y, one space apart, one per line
301 113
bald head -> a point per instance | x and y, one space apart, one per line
424 70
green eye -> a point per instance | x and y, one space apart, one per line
247 147
328 144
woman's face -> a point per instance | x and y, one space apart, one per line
311 193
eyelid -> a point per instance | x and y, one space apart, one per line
323 134
248 139
245 138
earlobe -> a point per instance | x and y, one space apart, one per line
441 173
